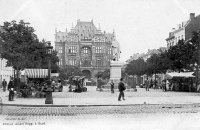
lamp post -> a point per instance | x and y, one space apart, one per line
49 99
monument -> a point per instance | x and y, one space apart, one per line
115 71
115 66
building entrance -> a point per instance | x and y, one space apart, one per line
87 73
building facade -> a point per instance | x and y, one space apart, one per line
183 30
87 47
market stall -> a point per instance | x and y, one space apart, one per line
35 83
183 81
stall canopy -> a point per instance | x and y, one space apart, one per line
36 73
181 74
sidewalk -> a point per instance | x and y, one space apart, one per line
93 97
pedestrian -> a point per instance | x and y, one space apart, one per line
121 88
147 84
112 86
11 90
4 84
167 85
164 85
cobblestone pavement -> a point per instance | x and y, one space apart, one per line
105 117
97 110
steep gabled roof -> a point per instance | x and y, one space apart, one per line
85 29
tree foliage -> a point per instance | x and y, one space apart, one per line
136 67
104 75
195 41
68 71
181 56
158 63
22 49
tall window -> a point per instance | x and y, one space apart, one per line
60 62
98 50
72 49
85 50
72 61
60 50
109 50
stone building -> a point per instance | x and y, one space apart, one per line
184 30
87 47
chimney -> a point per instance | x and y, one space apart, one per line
192 15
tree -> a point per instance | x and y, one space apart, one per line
195 41
136 67
181 56
104 75
68 71
22 49
158 63
16 39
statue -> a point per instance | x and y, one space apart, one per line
116 50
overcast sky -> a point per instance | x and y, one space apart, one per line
139 24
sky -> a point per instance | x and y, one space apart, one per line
139 25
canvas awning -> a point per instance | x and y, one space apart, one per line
36 73
181 74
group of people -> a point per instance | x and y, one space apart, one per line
36 88
121 88
79 84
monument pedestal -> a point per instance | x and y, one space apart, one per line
115 71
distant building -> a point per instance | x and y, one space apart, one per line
145 56
184 30
5 72
87 47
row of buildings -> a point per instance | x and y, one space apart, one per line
146 55
183 30
87 47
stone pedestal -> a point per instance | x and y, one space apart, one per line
115 71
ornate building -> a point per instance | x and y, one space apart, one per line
87 47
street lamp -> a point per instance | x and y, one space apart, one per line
49 99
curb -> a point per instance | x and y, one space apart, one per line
23 105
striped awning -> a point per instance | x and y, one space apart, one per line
36 73
181 74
